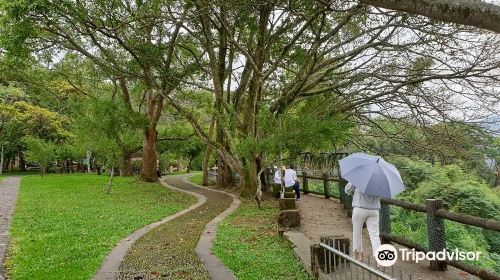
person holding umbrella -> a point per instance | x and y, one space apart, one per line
369 178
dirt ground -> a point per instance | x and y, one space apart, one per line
326 217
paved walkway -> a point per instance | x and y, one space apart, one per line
326 217
181 248
110 268
9 187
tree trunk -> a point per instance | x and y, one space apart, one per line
224 174
22 163
258 195
263 176
1 161
208 152
190 159
248 182
89 156
126 168
6 164
42 170
11 164
206 161
475 13
497 178
149 166
110 181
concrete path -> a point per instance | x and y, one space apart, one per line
301 247
216 269
111 265
326 217
179 246
9 187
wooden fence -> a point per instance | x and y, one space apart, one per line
435 222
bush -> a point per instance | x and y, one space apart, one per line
39 152
461 193
413 172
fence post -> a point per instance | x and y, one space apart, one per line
435 232
342 194
385 221
305 183
325 185
345 198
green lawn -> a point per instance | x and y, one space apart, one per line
183 172
64 225
316 186
196 178
248 244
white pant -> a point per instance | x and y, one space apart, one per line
359 217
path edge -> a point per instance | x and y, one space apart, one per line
111 265
215 267
4 250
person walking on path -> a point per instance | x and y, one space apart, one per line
370 178
291 180
365 210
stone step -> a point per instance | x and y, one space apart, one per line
287 203
289 219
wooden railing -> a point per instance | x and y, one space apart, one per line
436 232
435 223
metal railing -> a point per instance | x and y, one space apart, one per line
335 263
436 215
435 222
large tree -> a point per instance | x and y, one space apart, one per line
132 42
357 59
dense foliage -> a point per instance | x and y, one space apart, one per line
462 193
142 86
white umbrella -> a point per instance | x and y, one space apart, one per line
372 175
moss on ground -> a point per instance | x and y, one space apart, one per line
167 252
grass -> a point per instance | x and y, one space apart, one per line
196 178
183 172
64 225
18 173
316 186
248 244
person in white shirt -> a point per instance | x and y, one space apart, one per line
365 210
277 176
291 180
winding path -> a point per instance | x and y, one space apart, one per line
177 247
9 188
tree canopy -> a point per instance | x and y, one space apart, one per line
256 81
